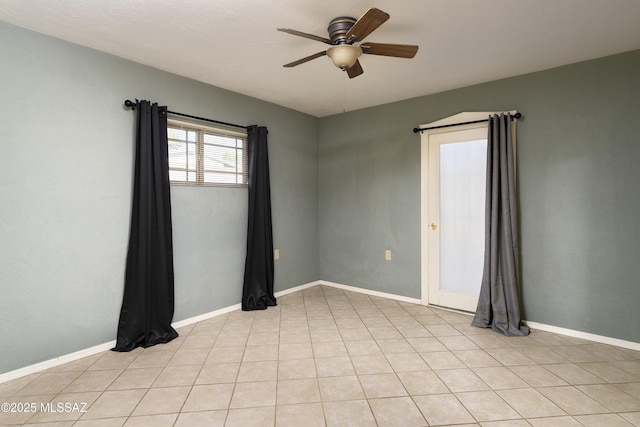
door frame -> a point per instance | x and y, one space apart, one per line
424 181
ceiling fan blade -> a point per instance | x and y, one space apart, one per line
355 70
305 35
364 26
305 59
386 49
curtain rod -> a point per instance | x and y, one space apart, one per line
132 105
416 130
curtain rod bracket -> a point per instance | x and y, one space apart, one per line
416 130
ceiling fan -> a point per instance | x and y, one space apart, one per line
344 31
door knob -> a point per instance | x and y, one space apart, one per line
434 225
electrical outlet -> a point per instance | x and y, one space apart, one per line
387 255
276 254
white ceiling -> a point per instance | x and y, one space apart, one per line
233 44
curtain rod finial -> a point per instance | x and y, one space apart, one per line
130 104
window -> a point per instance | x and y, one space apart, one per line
200 155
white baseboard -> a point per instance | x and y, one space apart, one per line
47 364
235 307
533 325
370 292
296 289
584 335
205 316
52 363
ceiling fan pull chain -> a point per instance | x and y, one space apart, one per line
344 91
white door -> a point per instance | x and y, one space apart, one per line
455 216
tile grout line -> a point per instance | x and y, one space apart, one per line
576 349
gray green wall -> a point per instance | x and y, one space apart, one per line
344 189
578 154
65 189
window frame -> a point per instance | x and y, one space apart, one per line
200 167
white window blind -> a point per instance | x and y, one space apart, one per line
202 155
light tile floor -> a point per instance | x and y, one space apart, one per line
328 357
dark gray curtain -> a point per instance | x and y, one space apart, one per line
148 301
257 291
499 303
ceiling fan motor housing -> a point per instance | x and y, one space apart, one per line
338 28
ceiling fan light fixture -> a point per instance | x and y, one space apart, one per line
344 56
